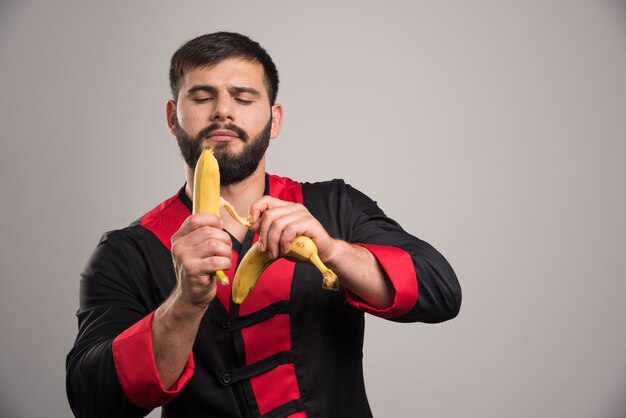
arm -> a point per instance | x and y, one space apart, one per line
109 304
122 364
422 285
360 272
427 289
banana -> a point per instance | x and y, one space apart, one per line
254 262
207 199
206 192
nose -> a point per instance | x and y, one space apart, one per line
223 110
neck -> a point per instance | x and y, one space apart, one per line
242 194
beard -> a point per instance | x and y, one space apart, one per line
234 167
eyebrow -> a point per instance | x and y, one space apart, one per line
232 90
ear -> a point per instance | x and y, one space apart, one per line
170 114
277 120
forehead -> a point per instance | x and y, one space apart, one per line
231 72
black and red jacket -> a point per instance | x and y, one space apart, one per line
291 349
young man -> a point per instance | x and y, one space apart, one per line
156 330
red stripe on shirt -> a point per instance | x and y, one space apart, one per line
286 189
165 219
275 388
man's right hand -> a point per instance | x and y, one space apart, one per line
199 248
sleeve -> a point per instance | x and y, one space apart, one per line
110 371
426 287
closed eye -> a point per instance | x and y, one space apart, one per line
201 99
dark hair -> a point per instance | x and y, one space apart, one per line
208 50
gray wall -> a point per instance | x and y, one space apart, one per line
492 129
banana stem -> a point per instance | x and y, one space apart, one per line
329 278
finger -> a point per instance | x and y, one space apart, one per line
197 221
271 216
210 248
210 265
287 223
201 269
258 208
200 242
304 226
204 234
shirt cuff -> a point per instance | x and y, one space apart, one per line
398 266
136 368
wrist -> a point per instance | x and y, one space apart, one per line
177 310
338 250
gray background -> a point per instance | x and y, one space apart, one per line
492 129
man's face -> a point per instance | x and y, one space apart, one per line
225 107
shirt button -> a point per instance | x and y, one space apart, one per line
225 378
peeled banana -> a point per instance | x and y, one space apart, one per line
206 192
254 262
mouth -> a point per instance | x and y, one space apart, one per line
222 135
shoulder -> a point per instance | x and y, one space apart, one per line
329 186
337 190
151 232
130 236
319 192
120 248
277 183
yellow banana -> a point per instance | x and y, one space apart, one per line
206 192
254 262
206 199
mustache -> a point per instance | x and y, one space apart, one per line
215 126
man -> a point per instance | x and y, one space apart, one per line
156 330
